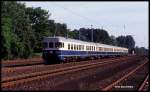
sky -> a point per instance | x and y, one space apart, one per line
118 18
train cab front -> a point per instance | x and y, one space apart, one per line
50 56
51 51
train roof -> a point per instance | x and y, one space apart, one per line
63 39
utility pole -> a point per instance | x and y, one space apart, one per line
124 28
67 34
55 30
124 32
79 34
92 33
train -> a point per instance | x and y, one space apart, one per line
62 49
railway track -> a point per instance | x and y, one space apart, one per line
14 71
95 78
22 62
145 84
125 80
13 81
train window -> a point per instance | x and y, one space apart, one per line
62 45
86 47
100 48
71 46
105 49
79 47
82 47
74 47
59 45
68 46
51 44
96 48
45 45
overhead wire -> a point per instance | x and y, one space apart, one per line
77 14
86 18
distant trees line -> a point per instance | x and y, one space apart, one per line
23 29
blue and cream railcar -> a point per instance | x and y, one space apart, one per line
66 49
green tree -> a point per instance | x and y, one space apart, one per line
121 40
141 51
126 41
99 35
6 38
20 30
129 43
113 40
40 25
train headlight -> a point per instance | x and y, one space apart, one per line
51 52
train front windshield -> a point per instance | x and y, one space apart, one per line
53 45
45 45
59 45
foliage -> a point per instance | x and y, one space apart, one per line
6 37
141 51
17 35
126 41
99 35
